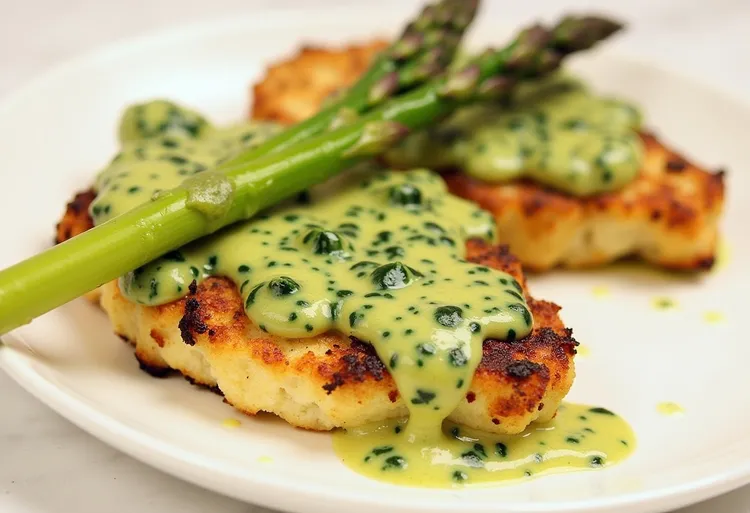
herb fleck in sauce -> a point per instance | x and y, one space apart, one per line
663 303
556 133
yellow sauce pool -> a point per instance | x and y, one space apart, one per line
580 437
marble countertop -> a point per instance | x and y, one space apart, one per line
47 465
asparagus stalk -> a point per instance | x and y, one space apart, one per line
66 271
424 49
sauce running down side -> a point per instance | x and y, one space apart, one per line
579 437
382 260
556 133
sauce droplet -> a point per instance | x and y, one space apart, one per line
600 291
669 408
231 423
713 317
663 303
723 254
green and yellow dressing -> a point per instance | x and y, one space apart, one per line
556 133
579 437
382 259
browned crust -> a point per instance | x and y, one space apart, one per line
662 201
76 219
293 90
672 200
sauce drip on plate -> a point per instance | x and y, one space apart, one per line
579 437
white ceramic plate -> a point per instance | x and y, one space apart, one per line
58 131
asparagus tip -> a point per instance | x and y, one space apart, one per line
462 83
427 44
383 88
408 45
581 33
496 88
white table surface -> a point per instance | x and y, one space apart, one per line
47 465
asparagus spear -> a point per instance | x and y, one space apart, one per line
231 193
535 52
425 48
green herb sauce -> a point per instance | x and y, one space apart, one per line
556 133
163 144
579 437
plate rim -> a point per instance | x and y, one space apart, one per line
117 435
143 447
